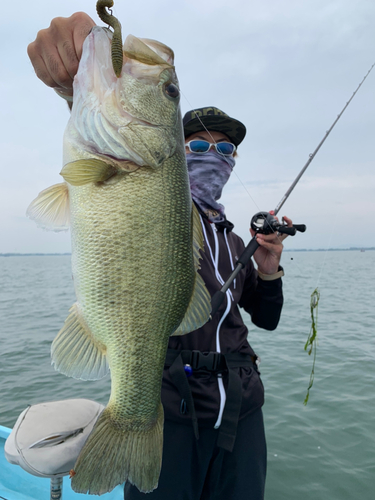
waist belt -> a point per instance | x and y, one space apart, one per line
216 363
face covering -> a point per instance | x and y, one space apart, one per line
208 174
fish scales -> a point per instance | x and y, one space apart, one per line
132 304
136 240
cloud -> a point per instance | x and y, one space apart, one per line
285 69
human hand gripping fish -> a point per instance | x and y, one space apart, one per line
136 242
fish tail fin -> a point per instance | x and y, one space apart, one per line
115 453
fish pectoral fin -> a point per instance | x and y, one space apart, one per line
81 172
75 352
199 309
50 209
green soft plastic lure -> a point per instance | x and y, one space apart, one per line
312 339
116 50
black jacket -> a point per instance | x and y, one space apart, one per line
226 332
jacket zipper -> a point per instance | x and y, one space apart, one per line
229 297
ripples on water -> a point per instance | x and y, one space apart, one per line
322 451
35 298
326 449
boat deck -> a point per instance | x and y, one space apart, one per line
16 484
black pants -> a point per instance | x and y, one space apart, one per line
199 470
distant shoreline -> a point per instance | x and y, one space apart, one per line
351 249
32 254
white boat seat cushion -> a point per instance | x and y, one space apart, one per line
48 437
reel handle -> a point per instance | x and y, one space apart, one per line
300 227
292 230
287 230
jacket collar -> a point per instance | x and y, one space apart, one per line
225 224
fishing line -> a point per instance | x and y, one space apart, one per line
312 339
312 155
262 223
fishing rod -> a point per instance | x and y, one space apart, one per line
265 223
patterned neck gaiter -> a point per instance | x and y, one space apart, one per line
208 174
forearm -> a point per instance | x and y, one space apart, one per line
264 304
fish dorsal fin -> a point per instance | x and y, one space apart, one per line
135 48
198 241
81 172
50 209
199 308
75 352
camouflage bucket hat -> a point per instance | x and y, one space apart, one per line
214 119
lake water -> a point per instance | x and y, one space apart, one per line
325 450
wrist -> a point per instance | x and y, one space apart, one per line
271 277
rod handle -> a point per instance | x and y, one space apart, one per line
216 302
300 227
248 252
219 296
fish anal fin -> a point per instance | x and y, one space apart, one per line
75 352
50 209
85 171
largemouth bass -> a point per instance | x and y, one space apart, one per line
136 240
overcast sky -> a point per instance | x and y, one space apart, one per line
285 68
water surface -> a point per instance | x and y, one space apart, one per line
322 451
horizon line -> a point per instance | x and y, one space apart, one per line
350 249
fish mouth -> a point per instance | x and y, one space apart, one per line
107 119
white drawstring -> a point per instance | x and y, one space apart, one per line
223 395
230 256
215 261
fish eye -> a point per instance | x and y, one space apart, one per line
172 90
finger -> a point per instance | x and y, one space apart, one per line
288 221
271 238
70 34
69 59
58 71
56 52
47 62
274 246
67 36
272 212
83 24
41 70
282 236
